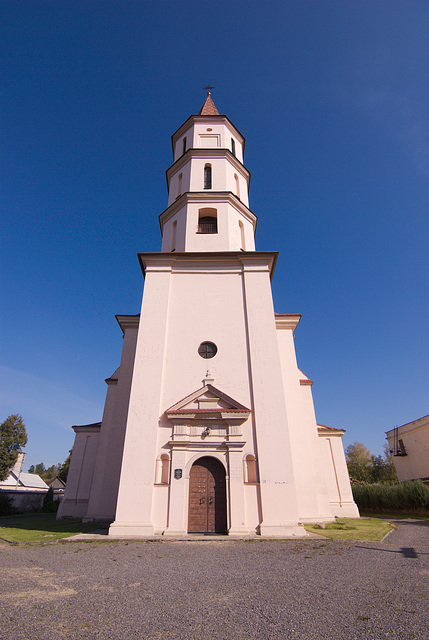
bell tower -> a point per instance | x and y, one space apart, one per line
208 187
208 425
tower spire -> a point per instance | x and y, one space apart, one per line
209 107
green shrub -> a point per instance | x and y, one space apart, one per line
51 506
412 495
6 505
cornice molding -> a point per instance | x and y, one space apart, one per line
287 320
207 154
206 198
240 260
222 119
127 322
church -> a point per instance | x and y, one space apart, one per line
208 425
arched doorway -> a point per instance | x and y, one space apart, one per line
207 497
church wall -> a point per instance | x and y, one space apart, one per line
337 478
311 491
277 485
229 230
79 480
206 304
198 137
177 243
224 132
207 241
178 146
135 497
161 495
107 469
252 506
218 166
174 191
239 230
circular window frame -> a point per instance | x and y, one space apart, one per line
207 350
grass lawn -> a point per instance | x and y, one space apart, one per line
41 528
353 529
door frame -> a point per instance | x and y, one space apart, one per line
220 458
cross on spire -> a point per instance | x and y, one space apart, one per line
208 89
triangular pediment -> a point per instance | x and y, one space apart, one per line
208 399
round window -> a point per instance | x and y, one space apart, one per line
207 350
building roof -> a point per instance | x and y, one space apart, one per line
28 480
209 107
322 428
57 483
214 410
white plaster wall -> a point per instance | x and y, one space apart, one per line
161 495
200 302
252 506
312 496
219 168
167 235
223 172
173 192
107 468
228 237
277 482
206 303
79 480
337 478
225 133
135 497
178 148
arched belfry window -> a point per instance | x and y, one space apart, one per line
184 145
179 185
208 176
173 236
207 220
233 146
237 186
243 237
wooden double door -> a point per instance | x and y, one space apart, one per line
207 497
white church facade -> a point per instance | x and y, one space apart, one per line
208 425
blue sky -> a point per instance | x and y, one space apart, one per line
333 100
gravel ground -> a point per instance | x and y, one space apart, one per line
223 590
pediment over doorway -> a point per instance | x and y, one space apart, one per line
207 419
208 401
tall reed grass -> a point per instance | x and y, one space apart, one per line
411 496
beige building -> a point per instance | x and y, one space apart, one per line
26 490
409 445
208 425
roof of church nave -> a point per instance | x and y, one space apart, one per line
322 427
209 107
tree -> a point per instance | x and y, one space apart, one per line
47 474
364 466
63 469
389 465
40 469
50 473
359 461
13 437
